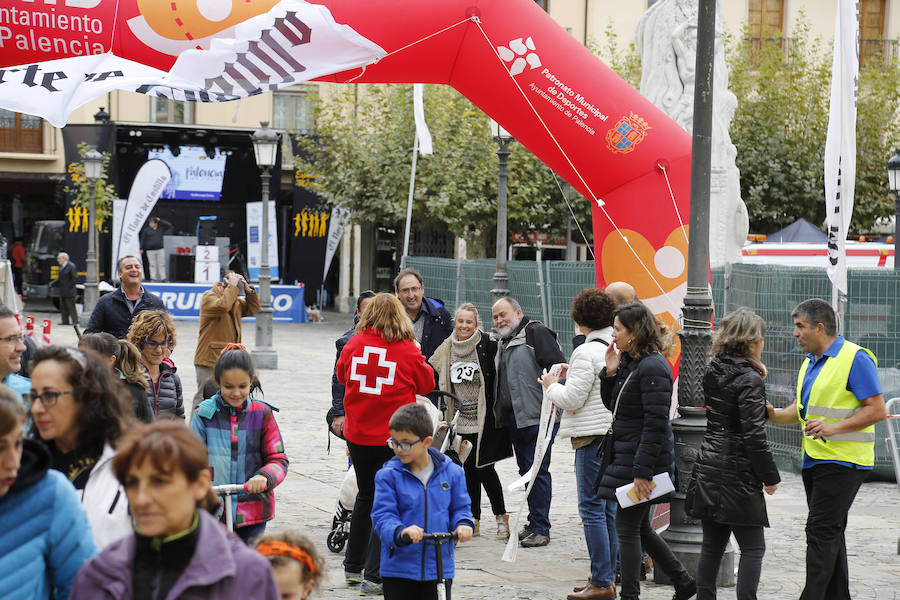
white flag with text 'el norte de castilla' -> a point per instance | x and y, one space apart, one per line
840 145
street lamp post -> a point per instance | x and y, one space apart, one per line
501 277
93 166
893 168
684 534
265 147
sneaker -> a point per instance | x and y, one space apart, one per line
352 577
370 588
526 531
534 540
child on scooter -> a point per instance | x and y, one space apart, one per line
418 486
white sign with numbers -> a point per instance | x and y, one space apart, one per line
206 264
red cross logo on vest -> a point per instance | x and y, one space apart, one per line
379 371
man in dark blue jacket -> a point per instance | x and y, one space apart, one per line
335 416
431 321
115 310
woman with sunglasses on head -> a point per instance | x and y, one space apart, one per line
80 409
153 333
382 368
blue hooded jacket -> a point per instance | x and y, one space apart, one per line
401 500
44 534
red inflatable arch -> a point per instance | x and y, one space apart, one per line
573 112
507 56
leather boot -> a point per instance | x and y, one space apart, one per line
579 588
503 526
592 592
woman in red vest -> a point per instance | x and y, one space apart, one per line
382 369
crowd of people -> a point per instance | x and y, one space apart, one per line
107 492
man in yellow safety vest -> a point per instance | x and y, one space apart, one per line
838 402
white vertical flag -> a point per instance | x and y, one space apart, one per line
840 145
422 132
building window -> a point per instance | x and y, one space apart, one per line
166 110
766 18
871 31
20 133
294 109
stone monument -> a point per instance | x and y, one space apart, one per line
666 38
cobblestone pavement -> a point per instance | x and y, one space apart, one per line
300 388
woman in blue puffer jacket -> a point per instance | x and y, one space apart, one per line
44 533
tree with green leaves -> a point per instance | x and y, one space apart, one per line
361 159
81 188
779 129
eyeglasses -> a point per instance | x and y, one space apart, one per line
410 290
398 445
156 345
17 338
49 398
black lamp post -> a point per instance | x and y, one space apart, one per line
265 147
501 277
684 534
93 167
893 168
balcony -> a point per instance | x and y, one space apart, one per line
883 51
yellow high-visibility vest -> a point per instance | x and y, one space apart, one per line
830 401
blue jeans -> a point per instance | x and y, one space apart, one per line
524 441
598 516
249 533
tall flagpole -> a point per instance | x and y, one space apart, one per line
409 202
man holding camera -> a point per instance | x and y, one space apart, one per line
221 311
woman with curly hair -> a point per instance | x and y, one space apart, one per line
80 410
153 333
585 421
124 359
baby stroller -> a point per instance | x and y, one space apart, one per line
445 439
343 511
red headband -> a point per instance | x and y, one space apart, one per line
233 346
279 548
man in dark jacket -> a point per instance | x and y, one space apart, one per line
152 246
335 416
526 348
65 287
431 321
115 310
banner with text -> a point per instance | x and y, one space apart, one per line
182 301
254 232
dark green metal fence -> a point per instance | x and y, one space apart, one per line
545 291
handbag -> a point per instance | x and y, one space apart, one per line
606 449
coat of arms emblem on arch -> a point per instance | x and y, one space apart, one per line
626 134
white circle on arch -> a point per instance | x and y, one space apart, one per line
214 10
669 261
